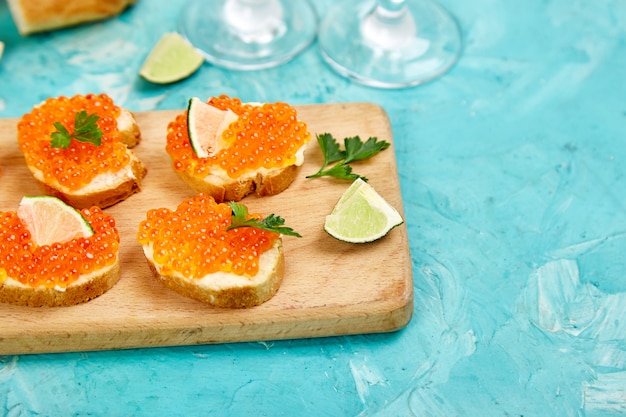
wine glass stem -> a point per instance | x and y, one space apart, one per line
389 26
255 21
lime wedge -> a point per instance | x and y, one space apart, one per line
361 215
49 220
172 59
205 125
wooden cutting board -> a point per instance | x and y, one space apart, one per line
330 287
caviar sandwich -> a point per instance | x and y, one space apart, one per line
78 150
215 253
229 149
53 255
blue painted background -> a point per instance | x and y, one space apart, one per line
512 172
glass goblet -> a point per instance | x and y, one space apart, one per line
390 43
249 34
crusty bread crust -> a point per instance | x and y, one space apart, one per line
270 183
228 296
73 294
129 129
104 197
277 181
40 15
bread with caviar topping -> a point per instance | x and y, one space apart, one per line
59 274
83 174
32 16
191 252
228 149
87 288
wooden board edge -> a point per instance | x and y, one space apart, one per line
331 326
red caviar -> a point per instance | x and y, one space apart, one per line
193 239
81 162
61 263
266 136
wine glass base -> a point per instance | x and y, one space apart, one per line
433 50
204 24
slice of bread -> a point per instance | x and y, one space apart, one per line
228 290
87 287
32 16
105 189
223 188
263 134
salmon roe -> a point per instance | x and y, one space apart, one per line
81 162
58 264
266 136
193 239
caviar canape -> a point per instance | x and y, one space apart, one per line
77 149
215 252
47 259
249 147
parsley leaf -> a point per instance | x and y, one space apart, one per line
271 223
330 148
340 171
355 150
85 130
60 138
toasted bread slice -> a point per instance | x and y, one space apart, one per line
104 191
228 290
87 287
32 16
224 188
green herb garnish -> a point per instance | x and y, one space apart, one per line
85 130
271 223
355 150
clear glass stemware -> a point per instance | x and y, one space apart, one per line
390 43
249 34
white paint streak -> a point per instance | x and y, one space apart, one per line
364 377
610 356
572 251
606 393
564 304
115 84
609 323
150 103
8 367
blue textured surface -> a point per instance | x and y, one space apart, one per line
512 173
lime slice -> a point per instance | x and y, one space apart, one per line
205 125
49 220
172 59
361 215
